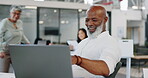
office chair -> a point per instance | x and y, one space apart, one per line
119 64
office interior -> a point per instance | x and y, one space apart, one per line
59 21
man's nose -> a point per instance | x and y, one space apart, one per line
89 23
17 16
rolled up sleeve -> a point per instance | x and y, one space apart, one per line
111 56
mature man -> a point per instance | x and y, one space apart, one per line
98 54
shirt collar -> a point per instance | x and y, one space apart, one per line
103 34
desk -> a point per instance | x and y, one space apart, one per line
140 58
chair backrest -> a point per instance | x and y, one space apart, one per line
119 64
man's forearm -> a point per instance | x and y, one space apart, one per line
96 67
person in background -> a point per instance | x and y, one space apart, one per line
48 42
11 32
97 55
82 34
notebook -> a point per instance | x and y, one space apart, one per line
36 61
74 43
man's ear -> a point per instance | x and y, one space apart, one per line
105 19
104 26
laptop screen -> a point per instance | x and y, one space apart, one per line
36 61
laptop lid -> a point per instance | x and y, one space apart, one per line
36 61
42 42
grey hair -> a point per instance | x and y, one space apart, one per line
15 8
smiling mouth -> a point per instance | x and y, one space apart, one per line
91 27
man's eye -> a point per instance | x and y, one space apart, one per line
95 20
86 20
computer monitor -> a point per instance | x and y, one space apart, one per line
51 31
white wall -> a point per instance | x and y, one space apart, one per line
119 24
132 14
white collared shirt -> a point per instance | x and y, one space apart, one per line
104 47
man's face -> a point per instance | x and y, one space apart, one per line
93 21
15 15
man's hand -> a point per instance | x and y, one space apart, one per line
3 54
73 59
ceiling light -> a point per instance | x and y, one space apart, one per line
143 8
30 7
62 22
55 11
79 10
41 22
135 7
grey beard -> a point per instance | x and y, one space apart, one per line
96 33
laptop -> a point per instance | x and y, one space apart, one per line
42 42
36 61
